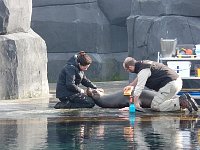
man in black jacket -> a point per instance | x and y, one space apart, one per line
163 80
70 77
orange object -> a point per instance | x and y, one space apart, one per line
185 51
128 91
188 52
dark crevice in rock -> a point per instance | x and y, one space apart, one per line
47 5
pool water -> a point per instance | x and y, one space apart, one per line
98 129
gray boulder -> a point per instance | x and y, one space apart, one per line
4 13
166 7
23 68
70 28
15 16
116 10
145 33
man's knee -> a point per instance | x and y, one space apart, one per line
155 106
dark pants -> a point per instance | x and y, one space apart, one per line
75 101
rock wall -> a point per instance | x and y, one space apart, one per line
152 20
23 53
15 16
110 30
90 25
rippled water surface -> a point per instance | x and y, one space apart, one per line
96 128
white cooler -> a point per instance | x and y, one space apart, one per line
181 67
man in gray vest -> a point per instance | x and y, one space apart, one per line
160 78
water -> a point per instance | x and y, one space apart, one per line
101 129
36 125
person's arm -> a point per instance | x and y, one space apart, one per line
142 77
87 83
70 80
134 83
131 85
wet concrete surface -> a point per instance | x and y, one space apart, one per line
35 124
41 106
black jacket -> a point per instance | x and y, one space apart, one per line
70 78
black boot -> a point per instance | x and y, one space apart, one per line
63 105
184 103
192 101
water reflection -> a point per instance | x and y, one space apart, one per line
145 132
82 132
166 132
23 134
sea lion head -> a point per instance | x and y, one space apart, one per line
95 93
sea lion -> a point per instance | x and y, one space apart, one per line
117 99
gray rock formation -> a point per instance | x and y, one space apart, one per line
15 16
71 26
42 3
152 20
3 18
23 53
24 66
116 10
107 27
166 7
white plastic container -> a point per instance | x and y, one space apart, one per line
197 51
181 67
197 46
